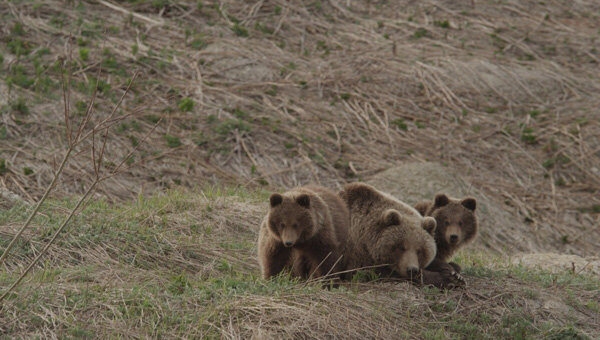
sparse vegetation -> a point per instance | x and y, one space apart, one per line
176 249
278 93
186 104
173 141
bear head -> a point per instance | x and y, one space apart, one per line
290 219
404 242
456 221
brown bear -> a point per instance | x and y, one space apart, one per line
456 226
391 237
303 232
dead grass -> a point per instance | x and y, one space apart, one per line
275 94
183 264
280 94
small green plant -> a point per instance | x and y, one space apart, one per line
263 28
27 171
197 44
240 31
549 163
230 125
160 4
152 118
186 104
3 166
420 33
19 47
272 91
178 284
134 141
19 77
17 29
442 24
19 106
172 141
134 49
399 123
101 85
84 54
239 113
528 136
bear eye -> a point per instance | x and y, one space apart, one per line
446 223
295 225
460 223
401 248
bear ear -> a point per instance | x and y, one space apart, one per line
429 224
391 217
469 203
303 200
275 199
441 200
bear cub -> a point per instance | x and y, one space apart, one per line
456 226
386 231
303 232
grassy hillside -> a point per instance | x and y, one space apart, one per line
275 93
183 265
255 96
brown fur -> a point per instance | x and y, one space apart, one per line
304 231
384 230
456 226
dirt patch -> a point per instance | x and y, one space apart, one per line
556 263
230 62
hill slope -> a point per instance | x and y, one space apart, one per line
184 265
496 99
283 93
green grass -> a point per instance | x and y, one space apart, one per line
173 141
186 104
183 263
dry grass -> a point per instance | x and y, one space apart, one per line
169 266
272 94
277 93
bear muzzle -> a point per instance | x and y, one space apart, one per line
289 237
453 235
408 266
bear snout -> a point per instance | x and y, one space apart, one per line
453 234
289 237
412 272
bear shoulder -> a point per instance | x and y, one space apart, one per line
357 193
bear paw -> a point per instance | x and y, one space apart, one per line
456 267
453 279
444 279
